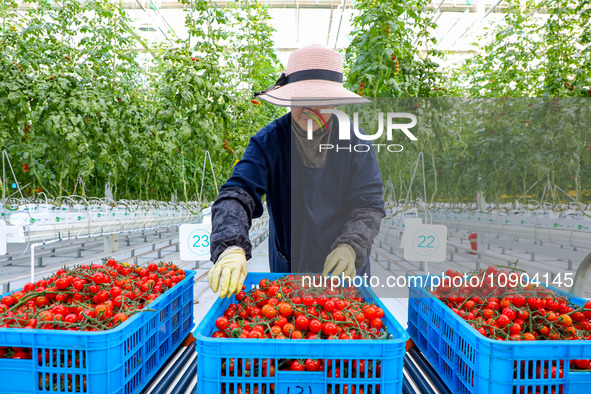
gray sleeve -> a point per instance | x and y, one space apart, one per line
232 214
362 226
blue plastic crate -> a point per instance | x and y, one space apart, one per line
469 362
213 352
117 361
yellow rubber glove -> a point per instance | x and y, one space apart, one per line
229 272
342 260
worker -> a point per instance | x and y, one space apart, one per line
325 206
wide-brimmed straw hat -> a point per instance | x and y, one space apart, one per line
314 77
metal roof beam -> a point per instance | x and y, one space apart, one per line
437 5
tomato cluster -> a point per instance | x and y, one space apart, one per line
85 298
285 309
517 313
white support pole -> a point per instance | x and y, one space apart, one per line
33 261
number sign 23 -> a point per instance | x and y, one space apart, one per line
194 241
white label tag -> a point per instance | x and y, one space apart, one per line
2 237
409 222
15 234
194 241
425 242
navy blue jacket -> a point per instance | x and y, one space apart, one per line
312 210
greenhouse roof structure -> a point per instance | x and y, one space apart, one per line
301 22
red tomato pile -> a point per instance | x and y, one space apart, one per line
518 313
85 298
283 309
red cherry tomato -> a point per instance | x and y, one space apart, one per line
312 365
377 323
296 366
221 323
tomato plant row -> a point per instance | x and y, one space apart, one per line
81 106
462 135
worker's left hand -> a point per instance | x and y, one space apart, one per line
342 260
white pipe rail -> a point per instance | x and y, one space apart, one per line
33 246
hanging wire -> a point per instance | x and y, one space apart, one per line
548 186
205 157
531 187
420 158
417 202
565 193
336 40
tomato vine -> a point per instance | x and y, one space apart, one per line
86 101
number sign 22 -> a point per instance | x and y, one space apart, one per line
425 242
423 239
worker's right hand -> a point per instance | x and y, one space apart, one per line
229 272
342 261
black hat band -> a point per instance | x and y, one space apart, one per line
304 75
